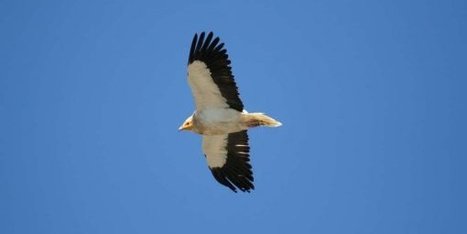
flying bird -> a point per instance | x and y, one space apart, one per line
220 116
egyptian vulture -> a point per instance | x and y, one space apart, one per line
219 116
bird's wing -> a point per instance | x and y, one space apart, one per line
228 159
210 75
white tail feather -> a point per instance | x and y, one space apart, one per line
260 119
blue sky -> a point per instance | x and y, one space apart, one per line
371 94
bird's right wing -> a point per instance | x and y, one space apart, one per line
210 75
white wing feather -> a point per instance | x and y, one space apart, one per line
214 147
205 92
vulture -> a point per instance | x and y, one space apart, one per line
220 117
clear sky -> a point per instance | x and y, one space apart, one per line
372 95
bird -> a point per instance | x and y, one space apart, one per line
219 116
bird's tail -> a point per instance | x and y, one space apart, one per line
260 119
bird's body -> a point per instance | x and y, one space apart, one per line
219 116
217 121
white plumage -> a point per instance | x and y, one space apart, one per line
215 150
207 94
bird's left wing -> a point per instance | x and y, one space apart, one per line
228 159
210 75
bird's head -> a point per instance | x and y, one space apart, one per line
187 125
